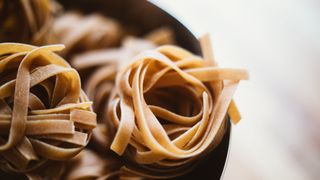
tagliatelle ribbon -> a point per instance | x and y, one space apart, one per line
27 21
44 114
169 108
233 111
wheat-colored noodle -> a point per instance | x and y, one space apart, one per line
27 21
169 109
44 114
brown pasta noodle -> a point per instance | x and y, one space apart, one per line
44 114
27 21
161 36
149 109
90 165
100 82
169 109
80 33
103 65
96 162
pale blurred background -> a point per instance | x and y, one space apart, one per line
278 41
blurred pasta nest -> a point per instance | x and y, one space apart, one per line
44 114
81 33
27 21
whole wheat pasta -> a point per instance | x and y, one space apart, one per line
98 69
27 21
161 36
90 165
96 162
103 64
44 114
86 32
169 108
49 170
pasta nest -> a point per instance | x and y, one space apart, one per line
81 33
98 69
168 109
44 114
27 21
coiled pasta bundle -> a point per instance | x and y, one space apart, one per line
169 109
98 69
44 114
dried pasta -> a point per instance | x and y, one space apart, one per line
27 21
149 109
44 114
169 109
90 165
81 33
98 69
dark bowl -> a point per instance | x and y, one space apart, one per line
147 16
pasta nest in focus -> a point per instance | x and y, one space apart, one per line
44 114
168 109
